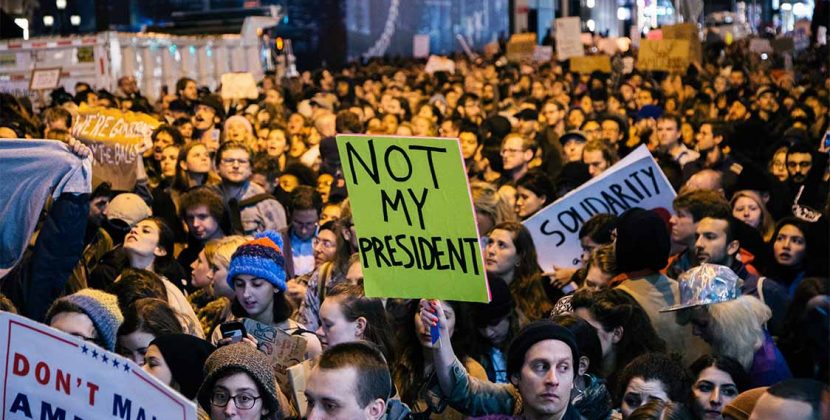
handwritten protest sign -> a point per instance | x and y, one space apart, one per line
113 137
670 55
239 85
413 213
521 46
45 79
591 63
420 46
635 181
48 374
688 32
285 350
568 38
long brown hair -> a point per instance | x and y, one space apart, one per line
526 287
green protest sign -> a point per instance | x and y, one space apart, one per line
413 215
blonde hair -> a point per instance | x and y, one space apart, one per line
737 328
218 252
767 226
487 200
604 258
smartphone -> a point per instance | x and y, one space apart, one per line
827 141
234 330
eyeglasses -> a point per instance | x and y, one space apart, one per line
242 401
229 161
506 151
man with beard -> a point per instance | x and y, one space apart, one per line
690 208
805 171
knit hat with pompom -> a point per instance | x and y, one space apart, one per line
261 258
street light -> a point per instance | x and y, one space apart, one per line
48 20
75 20
61 4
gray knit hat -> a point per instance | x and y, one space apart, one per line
101 308
242 357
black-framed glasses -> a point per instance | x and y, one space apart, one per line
242 401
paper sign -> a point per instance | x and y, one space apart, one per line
113 135
413 213
48 374
590 64
437 63
285 350
420 46
635 181
760 45
670 55
568 38
239 86
521 46
43 79
542 53
688 32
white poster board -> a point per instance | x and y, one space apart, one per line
239 86
45 79
438 63
420 46
568 38
634 181
48 374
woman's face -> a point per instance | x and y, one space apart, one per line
143 240
500 254
595 279
169 157
239 386
155 365
748 211
296 123
256 295
712 391
790 246
198 160
575 119
639 392
423 330
202 273
779 165
134 345
573 150
335 328
288 182
607 339
187 130
277 144
236 131
325 246
298 147
220 282
496 333
527 202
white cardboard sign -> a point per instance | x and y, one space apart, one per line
568 38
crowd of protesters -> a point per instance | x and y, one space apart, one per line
240 211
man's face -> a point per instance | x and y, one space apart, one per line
552 114
129 86
711 245
304 223
573 150
592 130
235 166
668 133
201 224
189 92
705 139
447 130
643 98
736 79
469 144
162 140
595 161
546 378
471 108
513 154
770 407
332 395
767 102
682 227
96 209
737 112
204 118
611 131
798 166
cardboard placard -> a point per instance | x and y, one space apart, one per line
542 53
591 63
634 181
413 213
688 32
521 46
671 55
568 38
239 86
420 46
113 137
285 350
48 374
438 63
45 79
760 45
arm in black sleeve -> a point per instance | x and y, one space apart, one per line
56 252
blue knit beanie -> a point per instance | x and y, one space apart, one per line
261 258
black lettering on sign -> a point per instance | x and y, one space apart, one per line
424 253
